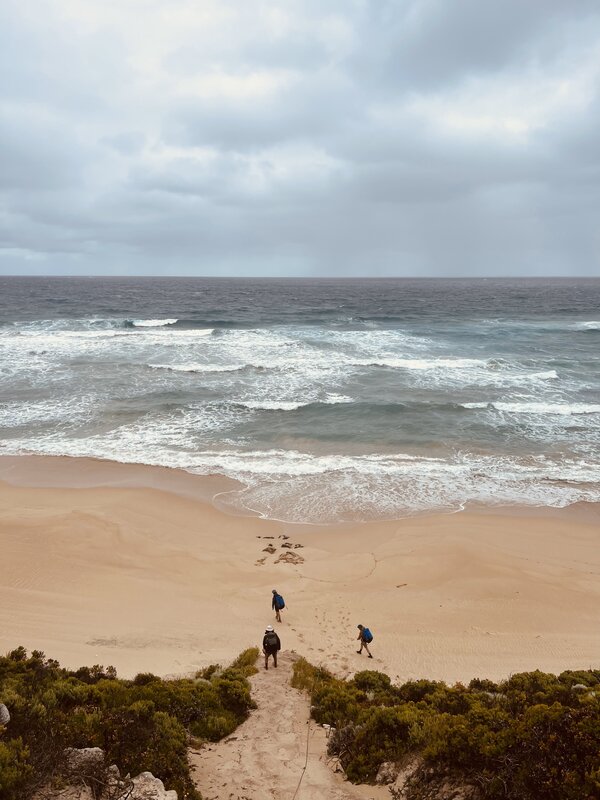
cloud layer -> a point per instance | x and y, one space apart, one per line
339 137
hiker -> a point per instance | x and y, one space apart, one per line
366 637
271 644
277 604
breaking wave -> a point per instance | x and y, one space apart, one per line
152 323
199 368
378 405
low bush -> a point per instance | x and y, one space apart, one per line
531 737
142 724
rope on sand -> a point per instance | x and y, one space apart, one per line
305 760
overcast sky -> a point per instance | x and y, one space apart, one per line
300 137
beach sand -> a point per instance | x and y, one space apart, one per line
132 566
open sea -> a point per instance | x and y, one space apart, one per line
327 399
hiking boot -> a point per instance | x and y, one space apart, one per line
370 656
359 652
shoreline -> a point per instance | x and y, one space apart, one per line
134 566
32 470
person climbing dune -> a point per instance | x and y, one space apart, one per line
277 604
365 637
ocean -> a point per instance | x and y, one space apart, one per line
327 400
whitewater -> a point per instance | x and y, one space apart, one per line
325 400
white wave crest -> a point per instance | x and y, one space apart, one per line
198 367
422 363
50 336
272 405
153 323
335 399
590 325
551 374
293 405
191 333
564 409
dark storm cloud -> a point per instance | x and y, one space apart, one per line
354 137
432 43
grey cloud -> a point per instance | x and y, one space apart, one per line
34 154
125 142
296 52
49 62
433 43
109 162
309 110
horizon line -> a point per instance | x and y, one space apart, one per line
311 277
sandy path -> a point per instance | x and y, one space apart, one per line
264 758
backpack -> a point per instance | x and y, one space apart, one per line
271 640
367 636
279 602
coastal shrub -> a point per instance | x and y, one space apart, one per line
246 662
306 677
534 736
15 771
143 724
383 733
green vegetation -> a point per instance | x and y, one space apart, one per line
532 737
141 724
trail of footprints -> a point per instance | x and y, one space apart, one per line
326 647
325 620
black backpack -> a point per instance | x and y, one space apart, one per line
271 640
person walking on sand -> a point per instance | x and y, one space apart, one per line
366 637
277 604
271 645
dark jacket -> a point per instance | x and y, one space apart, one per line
271 642
274 605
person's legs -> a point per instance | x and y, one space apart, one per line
278 615
266 660
361 647
367 649
275 658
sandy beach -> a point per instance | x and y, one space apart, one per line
132 566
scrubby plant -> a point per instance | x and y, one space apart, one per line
534 736
246 662
141 724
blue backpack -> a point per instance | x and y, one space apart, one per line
279 602
367 636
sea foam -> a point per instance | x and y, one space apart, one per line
565 409
153 323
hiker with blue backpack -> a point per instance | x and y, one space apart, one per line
277 604
366 637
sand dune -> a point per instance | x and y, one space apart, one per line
104 566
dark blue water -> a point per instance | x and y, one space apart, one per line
326 399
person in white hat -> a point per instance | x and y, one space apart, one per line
271 645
